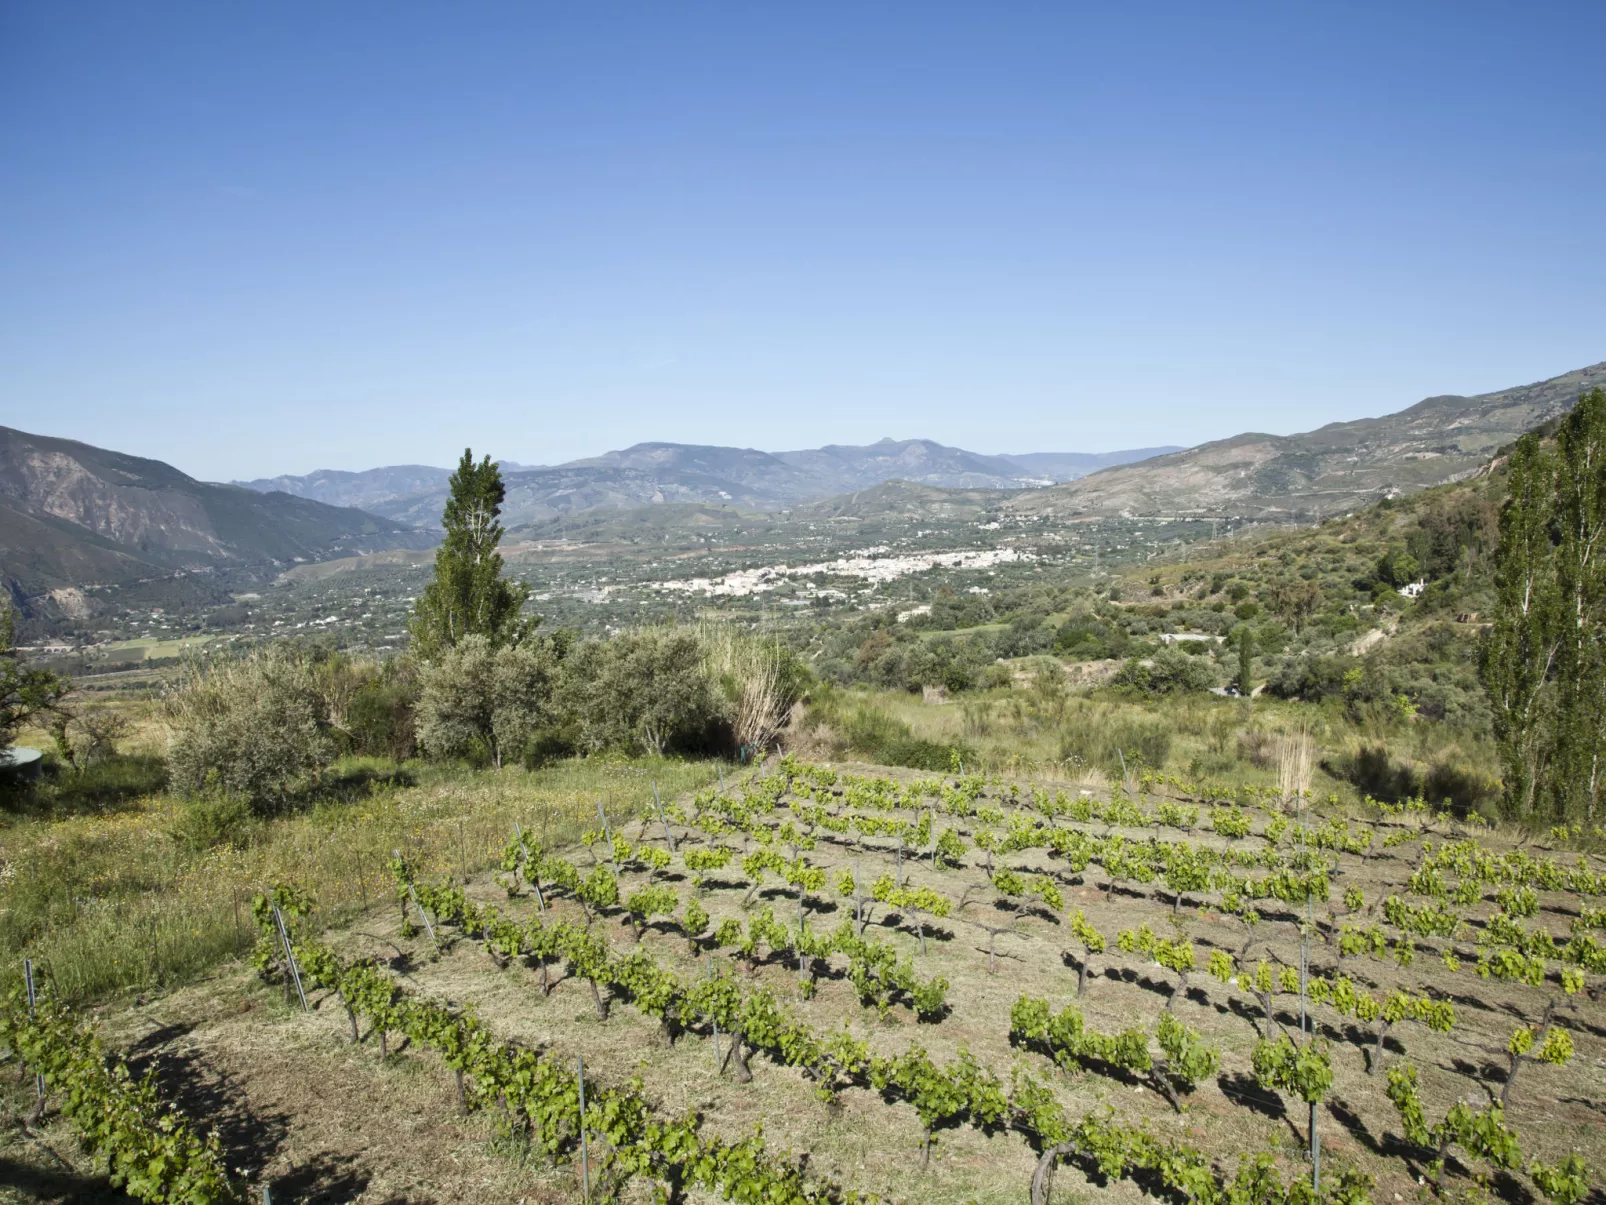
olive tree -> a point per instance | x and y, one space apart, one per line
26 693
252 726
644 688
480 696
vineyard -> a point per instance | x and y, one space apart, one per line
820 985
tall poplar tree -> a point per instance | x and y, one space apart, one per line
1580 524
469 595
1543 664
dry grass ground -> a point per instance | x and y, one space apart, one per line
322 1120
130 900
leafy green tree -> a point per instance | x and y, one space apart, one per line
1543 663
25 694
645 688
1246 653
1519 655
478 696
1580 524
1398 568
469 595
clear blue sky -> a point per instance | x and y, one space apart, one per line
273 238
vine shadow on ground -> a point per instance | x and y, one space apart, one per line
42 1184
250 1138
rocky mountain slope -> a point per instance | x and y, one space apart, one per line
1323 472
76 517
1070 466
363 490
649 474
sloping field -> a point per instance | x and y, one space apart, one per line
930 908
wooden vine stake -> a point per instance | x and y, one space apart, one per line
535 880
668 836
290 958
585 1149
1315 1154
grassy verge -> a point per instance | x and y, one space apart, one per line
1042 729
147 897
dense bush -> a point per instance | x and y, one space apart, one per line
897 659
479 698
1090 639
1108 740
380 720
1169 671
646 689
1315 678
252 727
1372 770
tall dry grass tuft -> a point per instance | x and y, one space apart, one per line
1293 766
750 671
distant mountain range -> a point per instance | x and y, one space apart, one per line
1325 472
75 517
656 473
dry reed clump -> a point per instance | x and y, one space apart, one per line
750 669
1293 767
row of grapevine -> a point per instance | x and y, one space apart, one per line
544 1096
151 1152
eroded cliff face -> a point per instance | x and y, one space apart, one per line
75 518
127 511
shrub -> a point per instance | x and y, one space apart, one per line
648 689
1465 790
1373 771
1315 678
249 727
1169 671
1090 640
380 716
1257 747
481 697
1100 738
89 737
212 818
